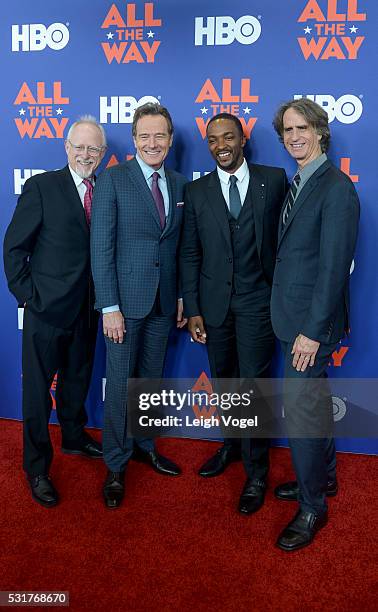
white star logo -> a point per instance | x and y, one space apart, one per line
247 110
307 30
150 34
22 111
353 29
59 111
204 110
109 35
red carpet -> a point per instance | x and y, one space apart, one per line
178 543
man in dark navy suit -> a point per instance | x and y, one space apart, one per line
136 225
310 307
47 264
227 260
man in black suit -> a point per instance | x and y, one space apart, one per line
310 306
227 260
47 264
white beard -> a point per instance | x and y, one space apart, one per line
82 172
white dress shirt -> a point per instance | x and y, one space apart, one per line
242 174
80 186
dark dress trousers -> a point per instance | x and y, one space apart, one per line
47 264
226 273
310 296
134 266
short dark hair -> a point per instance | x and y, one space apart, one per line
151 108
314 115
229 116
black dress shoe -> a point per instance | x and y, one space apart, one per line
252 497
114 489
301 530
217 464
289 490
160 464
88 448
43 491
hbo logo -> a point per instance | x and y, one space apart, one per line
36 37
339 408
225 30
121 109
347 109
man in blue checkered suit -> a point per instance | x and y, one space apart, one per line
136 219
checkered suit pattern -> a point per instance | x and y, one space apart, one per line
131 258
130 254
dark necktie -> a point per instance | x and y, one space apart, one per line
291 198
235 202
158 197
88 200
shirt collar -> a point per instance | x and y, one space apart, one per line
76 178
312 167
240 173
148 171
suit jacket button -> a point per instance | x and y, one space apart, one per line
156 264
229 260
228 283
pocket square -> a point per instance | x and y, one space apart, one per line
179 204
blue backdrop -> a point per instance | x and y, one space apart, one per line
61 60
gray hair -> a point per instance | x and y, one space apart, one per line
88 119
314 115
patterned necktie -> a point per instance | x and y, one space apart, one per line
235 202
291 198
158 197
88 199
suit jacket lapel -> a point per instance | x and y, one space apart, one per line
218 204
172 201
71 194
137 176
258 189
301 199
280 222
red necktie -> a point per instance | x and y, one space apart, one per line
158 197
88 200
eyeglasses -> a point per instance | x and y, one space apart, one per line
94 151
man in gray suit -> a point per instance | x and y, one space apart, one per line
310 307
136 220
